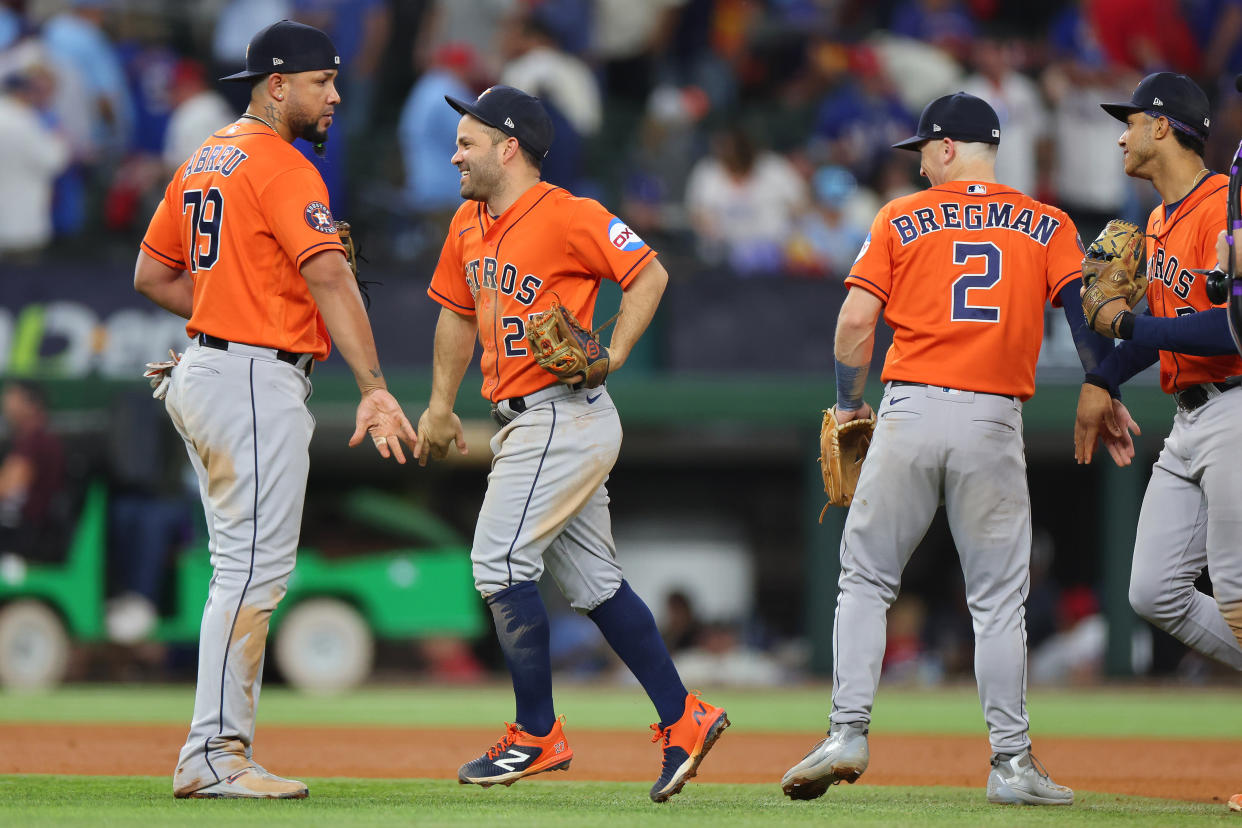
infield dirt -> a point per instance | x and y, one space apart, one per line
1195 770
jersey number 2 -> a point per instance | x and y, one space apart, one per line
963 310
204 228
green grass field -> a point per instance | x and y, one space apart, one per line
142 801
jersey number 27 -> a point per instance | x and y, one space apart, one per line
962 309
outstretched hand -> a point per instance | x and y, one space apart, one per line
435 434
380 416
1100 417
1121 446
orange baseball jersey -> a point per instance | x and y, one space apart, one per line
503 270
1176 246
242 215
964 270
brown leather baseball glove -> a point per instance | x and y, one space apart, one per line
1111 282
353 252
842 449
563 347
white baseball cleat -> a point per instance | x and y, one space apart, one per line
842 757
250 783
1019 779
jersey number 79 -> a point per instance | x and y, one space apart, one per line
206 213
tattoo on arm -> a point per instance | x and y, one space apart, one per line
376 373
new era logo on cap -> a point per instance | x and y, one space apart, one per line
1167 95
513 112
277 62
959 117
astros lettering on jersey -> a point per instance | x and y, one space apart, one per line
503 279
256 215
1176 247
974 263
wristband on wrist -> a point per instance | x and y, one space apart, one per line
1125 325
851 381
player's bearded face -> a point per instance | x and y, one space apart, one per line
478 159
312 103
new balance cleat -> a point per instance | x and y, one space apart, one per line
1019 779
686 742
249 783
841 757
516 755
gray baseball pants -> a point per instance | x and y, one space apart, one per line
546 501
243 416
1191 519
935 444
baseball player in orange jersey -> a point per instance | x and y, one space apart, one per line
1192 511
961 272
244 247
515 246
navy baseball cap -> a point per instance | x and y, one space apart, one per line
1174 96
959 116
514 113
287 47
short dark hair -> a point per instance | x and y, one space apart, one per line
499 135
1190 142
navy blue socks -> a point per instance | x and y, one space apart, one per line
630 629
522 627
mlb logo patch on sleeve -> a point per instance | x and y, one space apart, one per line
319 217
622 237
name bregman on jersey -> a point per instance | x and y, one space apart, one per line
974 216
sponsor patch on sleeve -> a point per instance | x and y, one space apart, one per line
863 250
319 217
622 237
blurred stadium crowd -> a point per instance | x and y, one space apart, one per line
750 135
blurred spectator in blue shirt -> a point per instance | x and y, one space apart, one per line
360 31
827 238
943 23
862 116
427 131
1217 29
10 27
77 37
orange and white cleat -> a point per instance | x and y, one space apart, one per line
516 755
686 742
